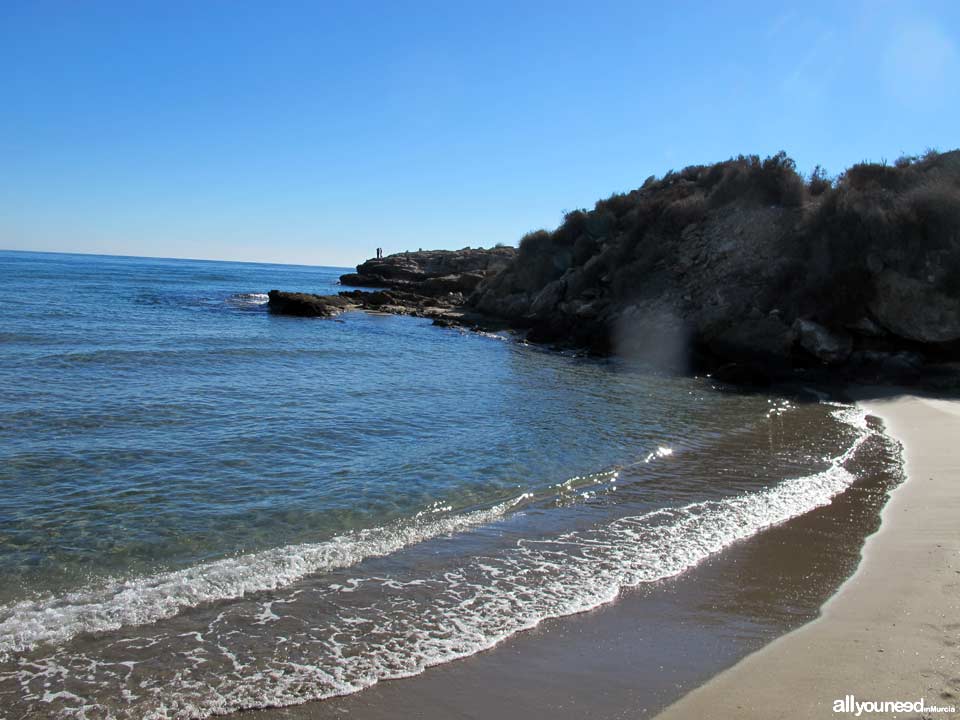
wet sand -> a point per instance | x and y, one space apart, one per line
633 657
892 632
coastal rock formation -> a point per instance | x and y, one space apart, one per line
431 284
431 273
831 347
747 266
306 304
742 269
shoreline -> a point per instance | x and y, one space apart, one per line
635 656
891 632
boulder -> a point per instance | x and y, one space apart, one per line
752 338
359 280
306 304
914 309
746 374
548 298
831 347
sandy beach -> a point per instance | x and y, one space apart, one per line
892 631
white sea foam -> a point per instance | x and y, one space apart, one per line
250 298
491 599
116 603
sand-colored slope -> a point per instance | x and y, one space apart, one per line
892 632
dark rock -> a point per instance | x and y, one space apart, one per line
358 280
756 337
899 366
457 283
306 304
915 309
431 272
829 346
735 267
746 374
427 283
865 326
725 265
376 299
548 298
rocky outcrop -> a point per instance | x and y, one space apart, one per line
742 266
916 308
740 269
831 347
393 301
431 283
306 304
431 273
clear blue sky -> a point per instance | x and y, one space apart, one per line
314 132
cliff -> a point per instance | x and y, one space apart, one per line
742 268
745 268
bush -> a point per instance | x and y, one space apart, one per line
773 181
819 182
686 211
779 181
899 213
539 260
618 203
573 226
870 176
534 243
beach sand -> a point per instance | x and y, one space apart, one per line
892 631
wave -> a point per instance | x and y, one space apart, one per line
118 603
255 299
488 599
345 633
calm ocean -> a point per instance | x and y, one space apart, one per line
205 508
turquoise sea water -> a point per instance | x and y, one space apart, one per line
204 507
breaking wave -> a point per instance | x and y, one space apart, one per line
118 603
340 633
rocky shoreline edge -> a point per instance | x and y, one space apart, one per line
434 284
742 269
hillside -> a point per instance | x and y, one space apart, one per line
747 268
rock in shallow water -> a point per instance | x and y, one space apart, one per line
306 304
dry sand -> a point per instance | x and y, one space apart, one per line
892 631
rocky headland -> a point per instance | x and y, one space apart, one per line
427 283
742 268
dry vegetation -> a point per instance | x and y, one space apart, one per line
871 205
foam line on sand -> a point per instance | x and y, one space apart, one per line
892 631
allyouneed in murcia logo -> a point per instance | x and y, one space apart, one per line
849 704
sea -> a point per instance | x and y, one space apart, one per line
206 508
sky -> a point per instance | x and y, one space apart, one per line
313 133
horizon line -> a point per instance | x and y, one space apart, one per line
161 257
